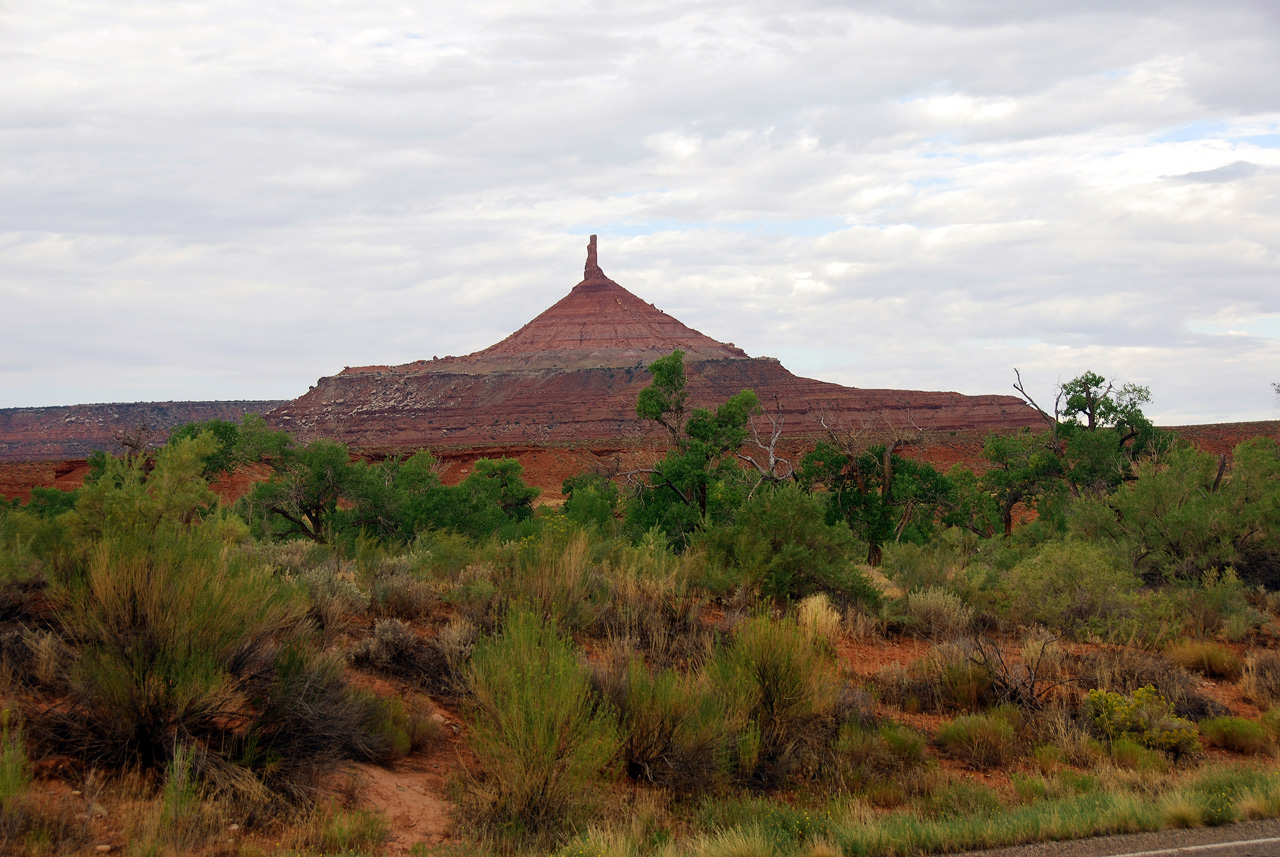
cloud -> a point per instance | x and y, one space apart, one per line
221 200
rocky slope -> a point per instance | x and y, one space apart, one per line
573 373
74 431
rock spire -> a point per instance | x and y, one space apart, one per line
592 269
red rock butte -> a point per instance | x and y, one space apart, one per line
572 375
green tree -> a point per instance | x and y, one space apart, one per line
882 496
1023 469
302 494
697 481
1098 430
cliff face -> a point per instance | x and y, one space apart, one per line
574 372
75 431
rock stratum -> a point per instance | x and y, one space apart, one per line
75 431
572 375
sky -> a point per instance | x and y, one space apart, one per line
229 200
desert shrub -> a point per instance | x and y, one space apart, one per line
402 728
1219 605
672 726
1144 717
444 660
865 756
307 721
1127 670
944 680
166 632
1260 683
541 741
556 576
780 541
914 567
1072 587
651 606
1067 738
402 596
979 740
781 693
937 613
1236 734
1208 659
392 648
335 596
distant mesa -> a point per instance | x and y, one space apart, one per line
573 374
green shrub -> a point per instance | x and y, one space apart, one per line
1236 734
1145 717
672 726
1072 587
541 742
780 540
960 799
979 740
1208 659
781 692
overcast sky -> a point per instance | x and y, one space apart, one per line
227 200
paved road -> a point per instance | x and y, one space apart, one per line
1248 839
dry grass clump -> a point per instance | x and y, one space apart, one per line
819 620
1209 659
1260 682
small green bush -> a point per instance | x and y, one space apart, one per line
542 742
1208 659
1145 717
15 770
1236 734
979 740
1128 753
